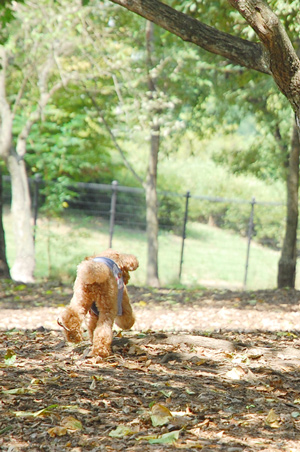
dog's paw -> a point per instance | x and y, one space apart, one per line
101 352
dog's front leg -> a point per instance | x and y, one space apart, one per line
103 336
91 323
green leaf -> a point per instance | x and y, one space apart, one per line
20 287
10 357
43 412
19 391
166 438
167 394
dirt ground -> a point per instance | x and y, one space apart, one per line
201 370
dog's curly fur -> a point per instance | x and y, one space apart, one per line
95 282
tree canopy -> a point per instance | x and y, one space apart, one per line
77 83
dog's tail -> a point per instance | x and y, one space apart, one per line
91 271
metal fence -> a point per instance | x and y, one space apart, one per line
193 249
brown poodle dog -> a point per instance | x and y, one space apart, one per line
100 294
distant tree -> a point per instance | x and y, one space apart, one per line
4 269
31 72
151 108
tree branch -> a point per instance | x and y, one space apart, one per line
240 51
284 62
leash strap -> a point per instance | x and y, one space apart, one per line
119 278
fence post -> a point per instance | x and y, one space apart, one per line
37 179
184 230
250 232
114 189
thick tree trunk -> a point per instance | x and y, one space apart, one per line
287 263
4 269
24 263
23 267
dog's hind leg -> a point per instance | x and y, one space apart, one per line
127 319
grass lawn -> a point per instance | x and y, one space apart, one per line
212 257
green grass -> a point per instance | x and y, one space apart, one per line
212 257
218 257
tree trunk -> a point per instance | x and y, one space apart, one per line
152 211
151 180
4 269
23 267
287 263
24 263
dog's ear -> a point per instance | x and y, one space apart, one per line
129 262
60 323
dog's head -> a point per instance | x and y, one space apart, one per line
71 325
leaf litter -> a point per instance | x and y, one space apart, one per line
218 388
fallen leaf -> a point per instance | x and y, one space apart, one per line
161 415
167 394
20 287
97 377
142 303
74 408
134 366
71 423
44 412
272 419
73 375
136 350
199 362
19 391
189 391
194 445
237 373
10 357
36 381
121 431
166 438
57 431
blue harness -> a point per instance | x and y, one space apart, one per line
119 278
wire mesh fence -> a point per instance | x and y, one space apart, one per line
209 241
